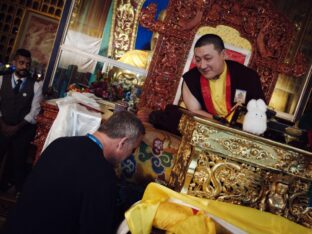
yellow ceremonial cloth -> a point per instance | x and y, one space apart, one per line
218 93
180 219
137 58
162 213
140 217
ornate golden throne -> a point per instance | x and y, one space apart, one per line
214 161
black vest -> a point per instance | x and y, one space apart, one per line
14 107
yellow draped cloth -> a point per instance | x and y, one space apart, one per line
166 209
218 91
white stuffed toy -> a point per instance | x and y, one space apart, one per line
255 121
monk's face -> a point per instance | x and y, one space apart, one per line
209 61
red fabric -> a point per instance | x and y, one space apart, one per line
228 92
192 65
205 89
235 56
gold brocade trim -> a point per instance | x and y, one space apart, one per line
124 27
125 16
112 29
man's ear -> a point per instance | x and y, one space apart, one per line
122 143
222 53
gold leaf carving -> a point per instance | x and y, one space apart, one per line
217 178
125 18
294 163
217 164
245 148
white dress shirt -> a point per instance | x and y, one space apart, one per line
35 104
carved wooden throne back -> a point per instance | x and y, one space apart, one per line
269 32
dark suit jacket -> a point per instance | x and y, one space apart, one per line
242 78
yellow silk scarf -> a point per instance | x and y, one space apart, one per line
142 215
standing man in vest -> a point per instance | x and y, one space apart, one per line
20 97
216 84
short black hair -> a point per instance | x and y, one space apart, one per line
209 39
22 52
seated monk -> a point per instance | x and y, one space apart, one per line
212 87
215 84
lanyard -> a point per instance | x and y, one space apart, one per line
95 140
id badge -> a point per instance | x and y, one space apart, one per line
240 96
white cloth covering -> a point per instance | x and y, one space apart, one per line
74 119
